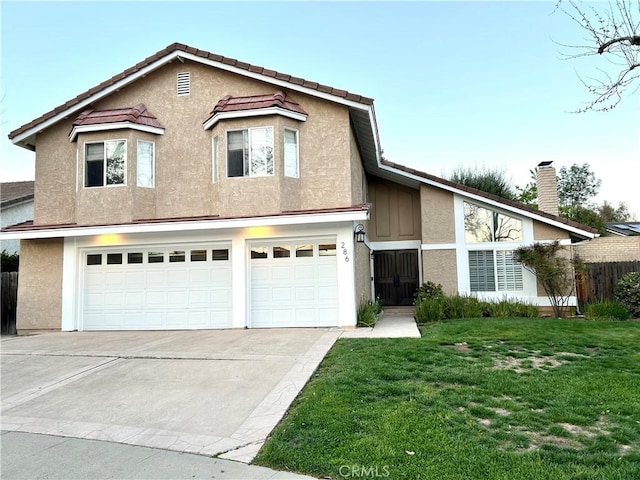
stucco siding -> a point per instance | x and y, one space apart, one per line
183 162
363 273
55 176
542 231
357 172
438 266
438 217
40 285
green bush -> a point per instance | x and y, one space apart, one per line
606 311
9 262
429 290
368 312
627 292
435 308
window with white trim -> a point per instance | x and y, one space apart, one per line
105 163
250 152
494 271
484 225
145 157
291 162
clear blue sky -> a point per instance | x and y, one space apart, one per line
454 83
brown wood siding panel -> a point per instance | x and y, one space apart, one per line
396 211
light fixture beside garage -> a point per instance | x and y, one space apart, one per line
359 233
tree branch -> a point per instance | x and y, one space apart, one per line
633 40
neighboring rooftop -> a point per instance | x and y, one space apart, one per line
623 228
12 193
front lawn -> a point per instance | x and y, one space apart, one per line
476 398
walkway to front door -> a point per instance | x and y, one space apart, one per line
395 276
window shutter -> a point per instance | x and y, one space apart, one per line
184 83
509 271
481 271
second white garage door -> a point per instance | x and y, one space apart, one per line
294 284
157 288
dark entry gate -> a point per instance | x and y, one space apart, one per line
395 276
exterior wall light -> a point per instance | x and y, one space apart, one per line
359 233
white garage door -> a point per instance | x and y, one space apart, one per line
157 288
294 284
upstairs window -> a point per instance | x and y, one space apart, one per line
484 225
291 153
250 152
146 161
105 163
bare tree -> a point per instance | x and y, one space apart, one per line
613 32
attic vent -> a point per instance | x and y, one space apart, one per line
184 83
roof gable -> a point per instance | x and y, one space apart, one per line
23 136
479 195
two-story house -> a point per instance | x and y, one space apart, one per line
197 191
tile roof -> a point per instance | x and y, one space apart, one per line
138 114
489 196
277 99
15 192
179 47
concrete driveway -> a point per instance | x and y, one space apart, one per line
208 392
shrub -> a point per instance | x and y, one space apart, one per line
441 307
10 262
429 290
627 292
368 312
606 311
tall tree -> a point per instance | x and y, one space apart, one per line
485 179
577 185
613 33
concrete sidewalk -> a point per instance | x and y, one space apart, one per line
401 325
29 456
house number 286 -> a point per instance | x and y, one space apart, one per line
345 252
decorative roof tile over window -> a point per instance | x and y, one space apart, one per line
269 104
137 117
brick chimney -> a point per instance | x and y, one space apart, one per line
547 188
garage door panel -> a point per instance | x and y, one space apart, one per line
282 294
328 293
293 291
135 299
154 296
305 294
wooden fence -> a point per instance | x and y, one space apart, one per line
9 301
599 279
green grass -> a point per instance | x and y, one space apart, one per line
477 398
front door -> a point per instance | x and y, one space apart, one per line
395 276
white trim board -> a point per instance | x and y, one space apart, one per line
193 225
254 112
99 127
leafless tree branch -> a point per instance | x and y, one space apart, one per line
613 31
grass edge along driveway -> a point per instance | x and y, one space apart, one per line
475 398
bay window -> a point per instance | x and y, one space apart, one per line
291 163
146 161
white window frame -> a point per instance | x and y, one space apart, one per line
104 164
153 163
495 252
284 152
214 159
249 130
